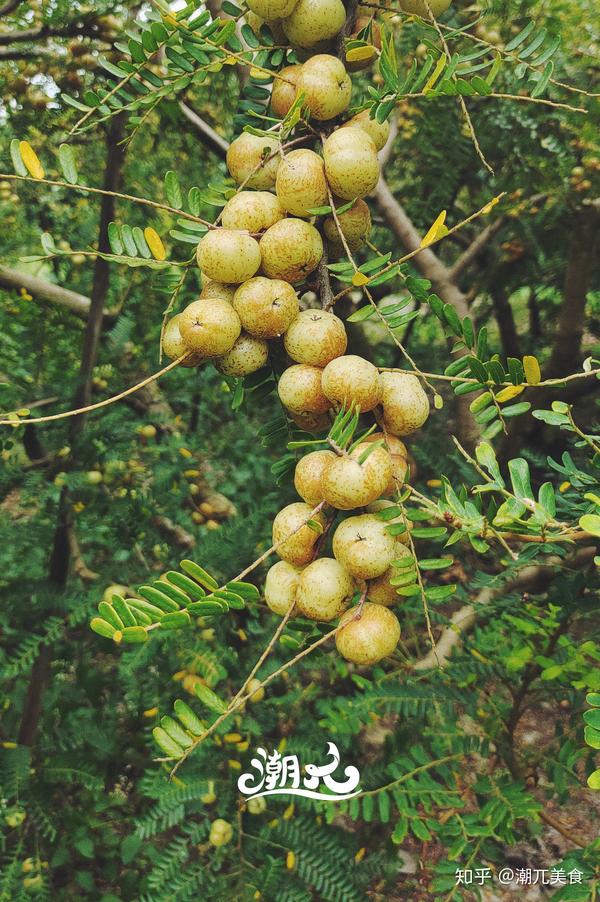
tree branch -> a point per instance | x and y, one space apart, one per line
45 291
209 137
474 249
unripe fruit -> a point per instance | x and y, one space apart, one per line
325 589
210 327
284 90
326 86
355 224
210 797
272 9
247 355
314 21
351 163
266 307
228 256
258 693
353 380
399 455
380 590
291 249
316 337
419 7
280 586
220 832
248 160
252 211
362 545
256 806
308 474
300 391
301 183
297 540
370 638
347 484
94 477
377 131
223 290
405 404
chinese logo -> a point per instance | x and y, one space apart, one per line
277 774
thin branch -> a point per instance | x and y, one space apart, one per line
475 248
209 137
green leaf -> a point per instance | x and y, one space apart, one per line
175 620
188 718
102 627
436 563
440 593
519 477
199 574
361 314
135 634
168 745
593 781
173 190
590 523
429 532
67 163
486 457
210 699
15 155
592 718
592 737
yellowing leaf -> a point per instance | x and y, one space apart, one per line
564 486
492 204
359 279
508 393
437 230
290 861
360 854
358 54
154 242
289 811
439 68
532 370
31 160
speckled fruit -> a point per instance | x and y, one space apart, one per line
297 540
272 9
210 327
212 289
351 163
300 391
314 21
228 256
371 637
301 183
362 545
326 86
325 589
308 474
419 8
405 404
284 90
348 484
399 454
377 131
380 590
248 160
316 337
280 587
252 211
247 355
220 832
173 344
258 693
352 380
355 224
266 307
291 249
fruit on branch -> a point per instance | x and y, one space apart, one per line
351 380
280 586
284 90
272 9
210 327
212 289
258 693
221 832
308 475
419 7
347 484
247 355
252 211
228 256
363 546
256 806
326 86
316 337
399 455
301 183
371 637
266 307
382 504
300 391
405 404
355 224
311 422
296 538
291 249
174 345
351 163
324 590
378 132
253 160
380 590
314 21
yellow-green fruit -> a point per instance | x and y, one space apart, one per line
314 21
148 431
210 327
419 7
272 9
255 22
405 404
352 380
399 455
351 163
212 289
325 589
173 344
301 183
316 337
300 389
250 162
220 832
308 474
266 307
247 355
258 692
371 637
326 86
355 224
297 540
280 587
347 484
363 546
252 211
291 249
402 538
228 256
256 806
380 590
284 90
94 477
377 131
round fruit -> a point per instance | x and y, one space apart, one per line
220 832
405 404
363 546
369 638
351 163
228 256
256 806
210 327
94 477
347 484
222 290
291 249
301 183
148 431
316 337
325 589
352 380
252 211
173 344
250 162
419 7
247 355
355 224
297 540
399 455
377 131
284 90
308 473
266 307
272 9
258 692
326 86
313 21
280 587
380 590
300 391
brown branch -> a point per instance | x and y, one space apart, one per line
9 7
475 248
209 137
45 291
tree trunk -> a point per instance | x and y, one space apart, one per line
506 321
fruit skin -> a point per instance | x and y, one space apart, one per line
405 404
382 504
351 163
266 307
399 455
173 344
326 86
301 183
419 8
284 93
308 473
257 695
272 9
297 540
316 337
252 211
228 256
379 590
325 589
291 249
212 289
347 484
352 380
300 391
247 355
377 131
210 327
362 545
371 637
221 832
281 584
314 21
355 224
246 153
